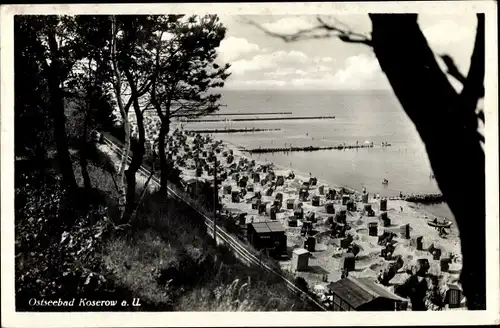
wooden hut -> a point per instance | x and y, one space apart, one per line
315 201
364 198
289 204
363 294
345 199
300 259
266 235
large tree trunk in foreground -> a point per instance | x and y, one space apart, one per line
447 125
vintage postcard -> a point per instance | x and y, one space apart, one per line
249 164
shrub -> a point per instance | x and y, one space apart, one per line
56 256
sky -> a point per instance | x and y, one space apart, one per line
260 61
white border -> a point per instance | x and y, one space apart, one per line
182 319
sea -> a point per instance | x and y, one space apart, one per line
360 117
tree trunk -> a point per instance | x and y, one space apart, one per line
117 84
164 129
57 109
61 138
137 157
83 153
451 141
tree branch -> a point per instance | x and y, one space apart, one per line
474 84
452 68
328 30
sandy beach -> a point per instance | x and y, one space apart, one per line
326 260
327 257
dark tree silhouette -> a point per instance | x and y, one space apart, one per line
51 45
187 75
447 122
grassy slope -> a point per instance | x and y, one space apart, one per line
170 262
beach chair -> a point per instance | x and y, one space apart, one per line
306 228
310 216
329 207
255 203
262 208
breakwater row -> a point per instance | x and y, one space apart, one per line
308 148
422 198
231 130
265 119
250 113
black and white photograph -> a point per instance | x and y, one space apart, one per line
228 163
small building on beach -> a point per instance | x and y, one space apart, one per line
266 235
363 294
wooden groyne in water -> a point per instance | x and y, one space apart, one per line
308 148
421 198
232 130
250 113
266 119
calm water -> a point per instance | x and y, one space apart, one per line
360 117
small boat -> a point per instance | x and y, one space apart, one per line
440 223
385 181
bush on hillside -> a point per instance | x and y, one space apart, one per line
56 256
